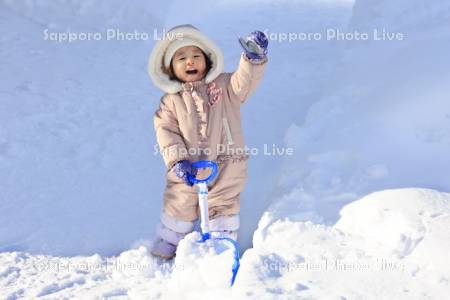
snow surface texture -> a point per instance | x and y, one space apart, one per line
384 119
78 175
388 245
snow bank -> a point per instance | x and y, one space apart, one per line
77 162
397 221
389 244
384 118
89 14
412 16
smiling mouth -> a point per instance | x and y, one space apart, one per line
192 72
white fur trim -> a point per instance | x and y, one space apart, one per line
175 224
156 60
222 223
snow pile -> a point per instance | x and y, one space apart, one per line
206 265
398 223
387 245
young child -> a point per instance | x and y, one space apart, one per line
199 119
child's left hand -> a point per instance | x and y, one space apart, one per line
255 45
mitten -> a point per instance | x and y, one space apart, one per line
255 45
183 168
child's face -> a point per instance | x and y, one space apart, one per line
189 64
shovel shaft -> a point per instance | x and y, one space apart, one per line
204 213
203 204
203 193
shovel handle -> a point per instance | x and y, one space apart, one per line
203 164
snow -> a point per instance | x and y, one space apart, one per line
384 118
375 250
361 210
389 244
206 265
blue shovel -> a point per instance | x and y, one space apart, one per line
204 216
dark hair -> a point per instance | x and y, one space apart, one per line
169 71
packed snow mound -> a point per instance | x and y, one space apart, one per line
389 244
208 264
397 221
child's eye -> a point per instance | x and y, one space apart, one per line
182 58
196 56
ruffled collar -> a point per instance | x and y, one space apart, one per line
212 90
193 85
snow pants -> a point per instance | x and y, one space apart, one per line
181 200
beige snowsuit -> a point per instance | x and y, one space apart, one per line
189 127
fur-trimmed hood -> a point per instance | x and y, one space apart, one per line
179 33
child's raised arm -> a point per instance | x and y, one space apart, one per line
251 66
